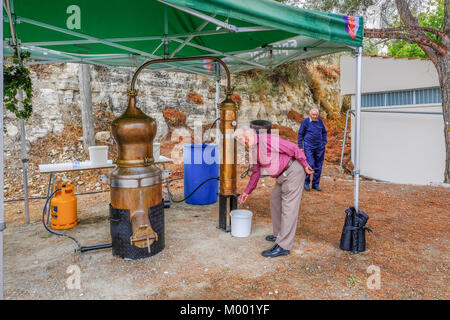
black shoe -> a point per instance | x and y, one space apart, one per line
317 188
275 252
271 238
307 188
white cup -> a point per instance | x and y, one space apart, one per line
98 154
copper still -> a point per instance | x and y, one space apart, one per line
136 190
137 207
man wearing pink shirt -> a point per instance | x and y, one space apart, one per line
282 160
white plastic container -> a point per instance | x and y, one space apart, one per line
156 150
241 223
98 154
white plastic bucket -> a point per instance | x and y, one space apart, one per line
241 223
156 150
98 154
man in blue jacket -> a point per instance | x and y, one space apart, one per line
312 138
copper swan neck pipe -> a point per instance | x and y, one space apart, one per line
146 64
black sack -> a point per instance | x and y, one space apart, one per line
346 236
353 237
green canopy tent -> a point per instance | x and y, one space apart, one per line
244 34
247 34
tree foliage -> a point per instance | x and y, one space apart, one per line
268 82
418 28
352 7
17 77
433 18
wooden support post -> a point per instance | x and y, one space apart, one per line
86 107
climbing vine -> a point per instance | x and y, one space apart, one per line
17 77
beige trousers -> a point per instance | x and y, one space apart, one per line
285 204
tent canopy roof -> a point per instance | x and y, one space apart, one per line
245 34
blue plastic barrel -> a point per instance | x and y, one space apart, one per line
201 162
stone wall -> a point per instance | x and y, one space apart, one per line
56 99
54 131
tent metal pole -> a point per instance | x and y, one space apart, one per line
24 159
203 16
73 59
188 39
159 46
2 199
24 163
149 38
166 31
223 54
80 35
357 128
115 45
407 112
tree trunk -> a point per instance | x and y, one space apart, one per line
442 66
86 106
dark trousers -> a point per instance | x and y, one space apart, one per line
315 157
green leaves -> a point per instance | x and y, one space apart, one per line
433 18
17 77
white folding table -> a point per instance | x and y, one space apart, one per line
55 168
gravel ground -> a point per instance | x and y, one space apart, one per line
409 245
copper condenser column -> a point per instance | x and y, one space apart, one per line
136 209
227 189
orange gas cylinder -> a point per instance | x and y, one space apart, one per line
64 208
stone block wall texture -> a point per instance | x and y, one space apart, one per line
56 100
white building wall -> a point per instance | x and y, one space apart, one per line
387 74
402 148
399 148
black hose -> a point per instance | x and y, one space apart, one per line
96 247
178 201
55 233
80 248
213 123
168 182
250 169
212 126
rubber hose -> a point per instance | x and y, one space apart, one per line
55 233
96 247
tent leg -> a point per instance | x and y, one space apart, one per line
357 129
2 203
24 163
24 171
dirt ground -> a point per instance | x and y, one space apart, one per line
409 245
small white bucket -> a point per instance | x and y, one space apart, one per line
156 150
98 154
241 223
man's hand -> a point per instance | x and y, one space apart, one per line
309 170
243 197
